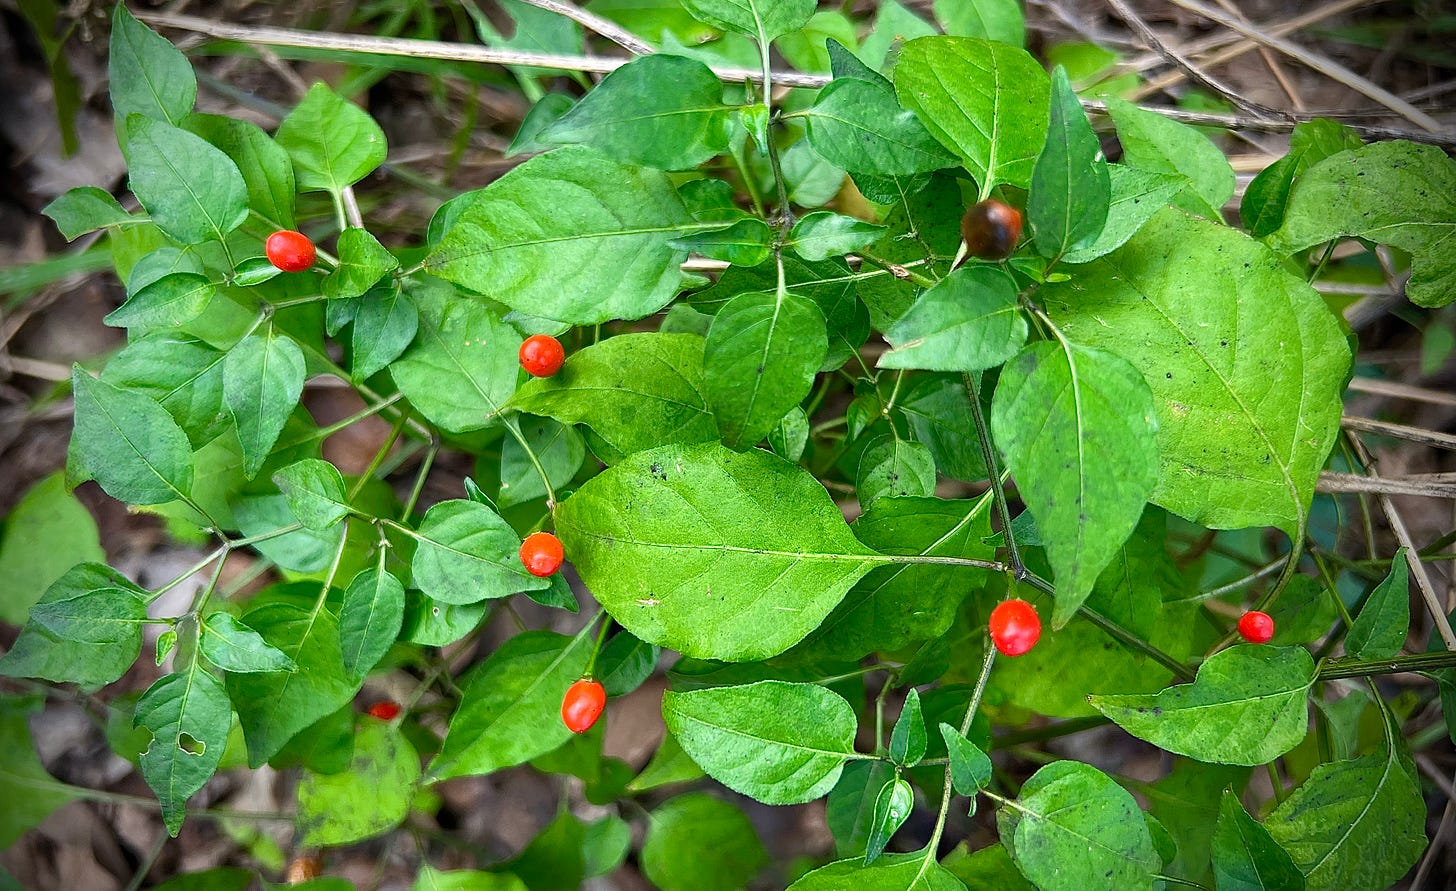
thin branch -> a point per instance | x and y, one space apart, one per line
1402 391
1400 431
1331 483
592 22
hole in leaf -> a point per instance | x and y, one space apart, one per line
190 744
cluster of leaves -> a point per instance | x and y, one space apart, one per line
1140 369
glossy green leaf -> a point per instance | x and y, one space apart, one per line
149 75
1160 144
892 809
315 493
266 168
1267 196
370 619
30 793
193 192
41 653
1185 803
991 19
1070 188
99 616
891 872
696 842
1076 426
895 24
1380 629
1247 706
822 234
969 321
850 807
625 664
189 716
462 365
985 101
790 436
907 740
712 553
1136 196
571 236
304 550
747 242
465 552
333 143
370 798
46 533
262 382
85 209
431 879
806 48
169 302
762 20
1229 341
859 125
385 325
892 467
759 361
559 449
1245 857
232 646
128 443
774 741
362 262
970 768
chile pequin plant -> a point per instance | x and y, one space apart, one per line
1056 420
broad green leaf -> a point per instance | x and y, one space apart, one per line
233 646
985 101
169 302
747 242
1267 196
669 765
229 878
969 321
385 325
1077 428
570 236
635 392
333 143
859 125
1070 188
938 413
1397 193
128 443
431 879
625 664
315 493
822 234
988 869
362 262
1384 621
462 366
547 110
370 798
776 742
1229 341
274 706
189 716
1245 857
1136 196
712 553
759 361
790 436
657 110
465 552
46 534
192 191
907 740
266 168
555 860
991 19
970 768
896 468
933 213
892 809
1160 144
85 209
1247 706
806 49
894 25
850 807
303 551
370 619
1185 803
1353 825
696 842
763 20
30 793
559 449
41 653
891 872
511 709
262 382
100 616
829 283
1073 828
149 75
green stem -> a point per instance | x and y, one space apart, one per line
898 270
591 665
514 429
425 464
1365 668
993 471
946 785
379 456
188 573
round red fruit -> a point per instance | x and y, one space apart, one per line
290 251
991 229
1015 627
1256 627
541 554
384 711
542 355
582 705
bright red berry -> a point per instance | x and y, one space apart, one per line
991 229
542 355
541 554
384 711
582 705
1015 627
1256 627
290 251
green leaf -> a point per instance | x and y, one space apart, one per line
370 619
189 716
892 809
511 709
100 616
302 551
859 125
570 236
1247 706
985 101
1073 828
1384 621
891 872
547 110
193 192
46 533
806 49
333 143
226 878
149 76
823 234
128 443
184 375
762 20
1070 188
1186 802
1160 144
760 359
84 659
969 321
1353 825
747 242
233 646
1136 196
262 382
362 262
169 302
1245 857
465 552
635 392
85 209
315 493
1397 193
462 365
266 168
657 110
937 411
776 742
1229 341
850 807
970 768
558 448
696 842
370 798
907 740
385 324
715 554
30 793
893 467
988 869
1076 426
790 436
894 25
991 19
1267 196
625 664
431 879
274 706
